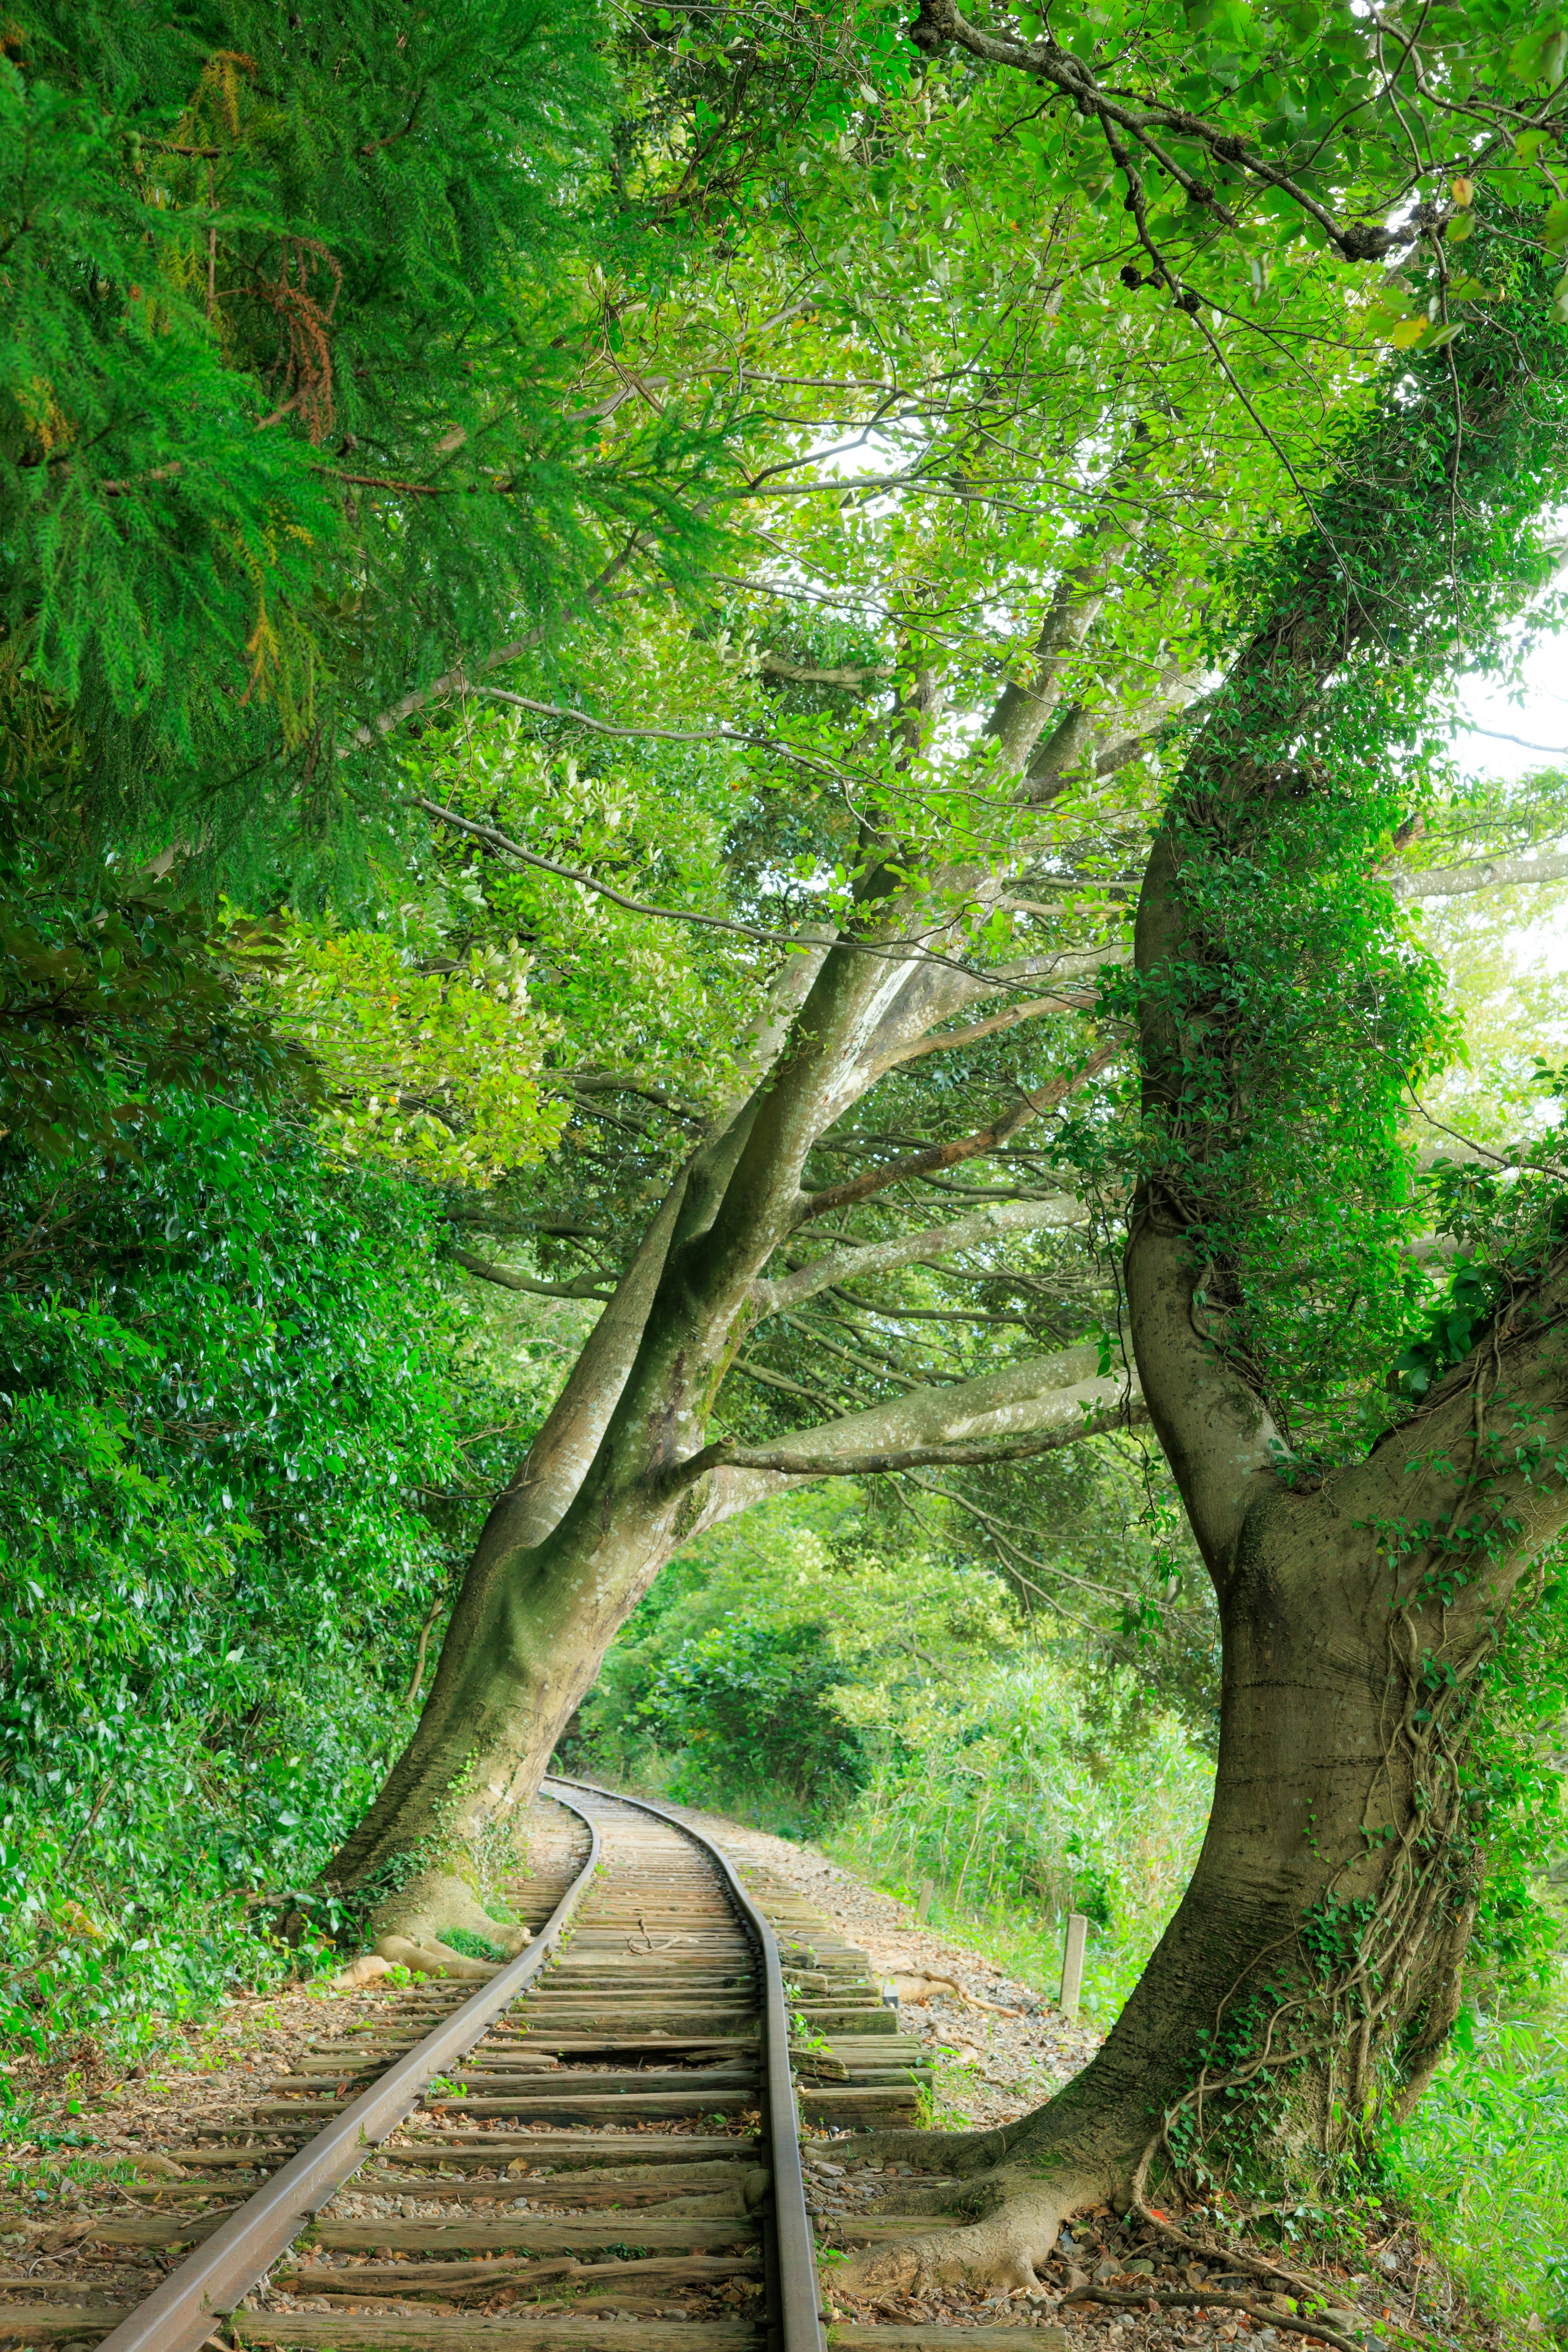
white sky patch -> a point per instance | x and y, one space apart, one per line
1522 726
1519 729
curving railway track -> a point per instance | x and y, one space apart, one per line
600 2145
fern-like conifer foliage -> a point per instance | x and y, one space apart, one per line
293 302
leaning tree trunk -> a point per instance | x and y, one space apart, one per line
603 1501
1311 1971
619 1479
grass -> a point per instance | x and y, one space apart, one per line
1018 1815
1483 2164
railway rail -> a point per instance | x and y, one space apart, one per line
601 2144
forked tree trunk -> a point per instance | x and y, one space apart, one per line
609 1491
1311 1974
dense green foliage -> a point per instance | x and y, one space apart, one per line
358 358
235 1480
1484 2163
1327 739
291 332
108 997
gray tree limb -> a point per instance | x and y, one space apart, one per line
1027 1408
586 1286
1484 874
990 1224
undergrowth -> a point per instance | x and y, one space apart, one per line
1483 2162
1022 1807
240 1463
123 1927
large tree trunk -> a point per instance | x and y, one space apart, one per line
541 1602
1312 1972
617 1480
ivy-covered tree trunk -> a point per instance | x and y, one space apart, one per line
1311 1974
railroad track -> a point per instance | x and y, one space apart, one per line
601 2145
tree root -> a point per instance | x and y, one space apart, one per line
433 1958
1205 2248
997 2251
410 1927
366 1969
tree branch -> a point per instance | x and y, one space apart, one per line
910 1249
455 681
558 1460
938 22
913 1457
1028 1408
586 1286
1485 874
776 665
1020 715
951 1038
938 991
902 951
939 1156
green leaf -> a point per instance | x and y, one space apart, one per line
1539 55
1385 311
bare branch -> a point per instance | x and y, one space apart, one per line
456 681
951 1038
909 950
1027 1408
939 1156
586 1286
559 1458
915 1457
1020 715
1485 874
940 22
911 1249
937 991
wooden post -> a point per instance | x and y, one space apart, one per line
928 1888
1072 1965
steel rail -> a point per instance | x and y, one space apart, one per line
800 2297
180 2315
